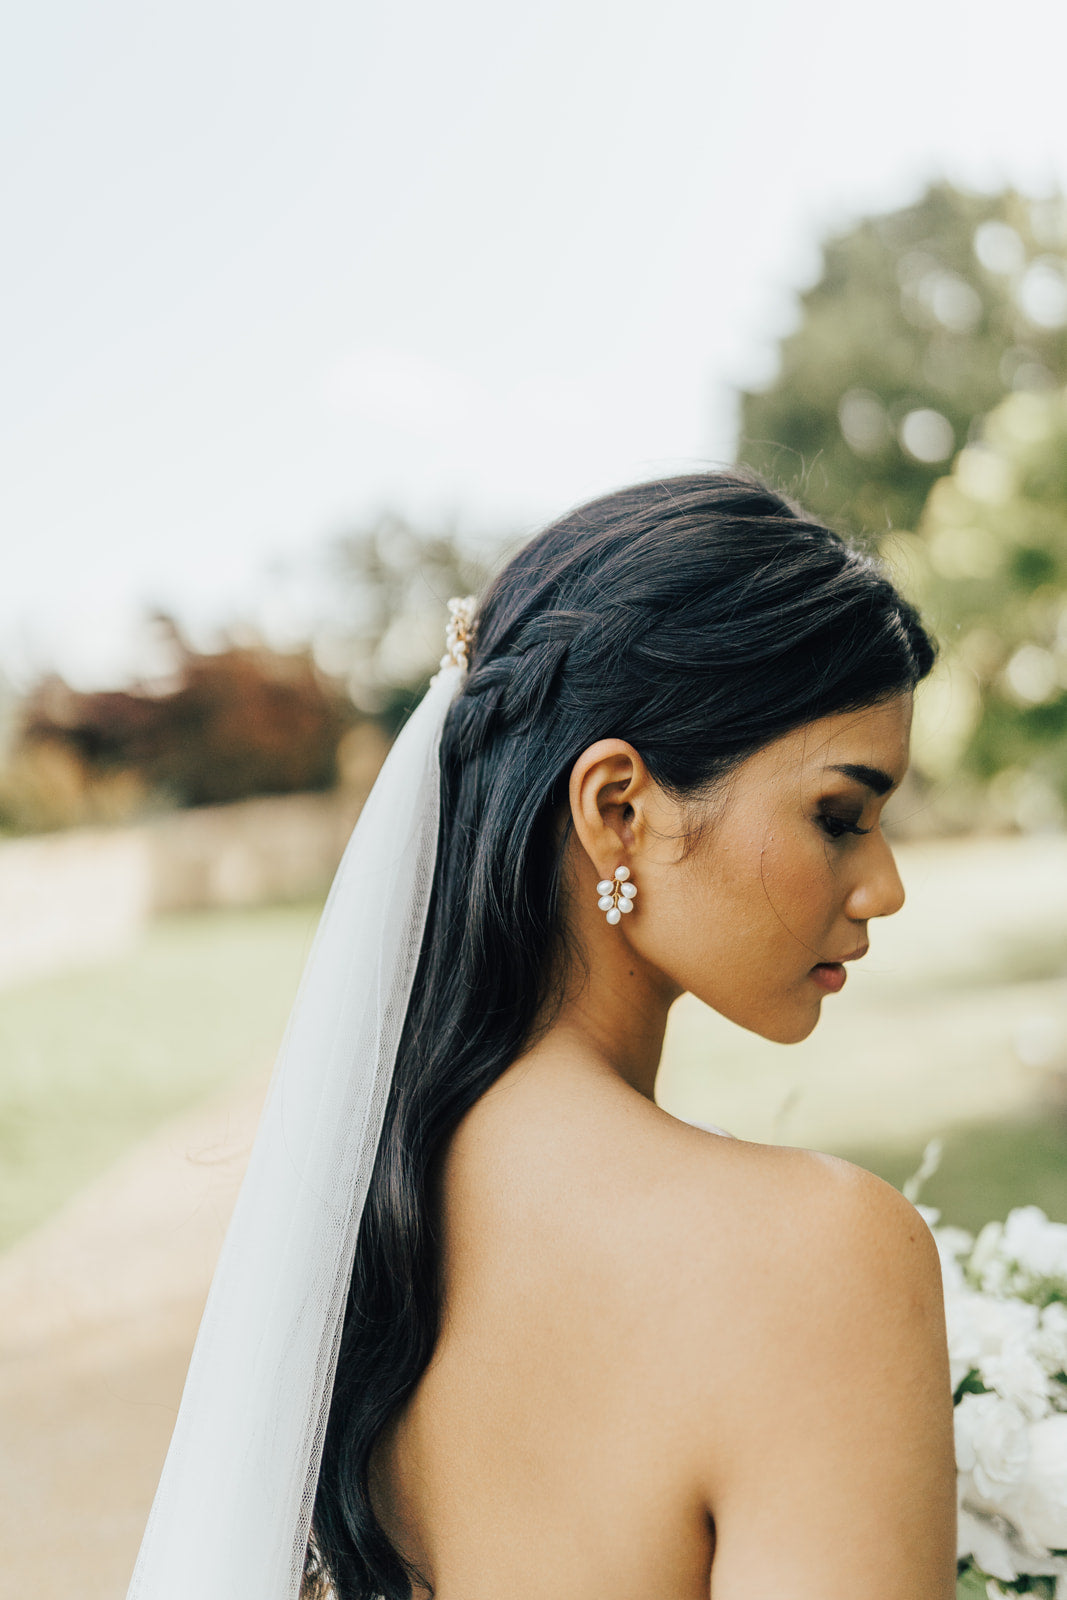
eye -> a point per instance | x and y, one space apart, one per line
837 827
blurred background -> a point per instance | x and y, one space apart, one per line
311 316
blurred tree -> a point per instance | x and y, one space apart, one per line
386 635
988 563
922 320
243 721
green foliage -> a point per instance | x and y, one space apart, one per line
973 1585
988 563
394 583
970 1585
935 333
921 321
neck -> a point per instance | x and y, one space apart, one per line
614 1014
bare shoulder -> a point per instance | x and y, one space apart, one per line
812 1370
790 1248
815 1218
769 1322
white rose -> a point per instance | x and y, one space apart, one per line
990 1550
964 1345
1017 1375
980 1327
1038 1504
952 1278
1049 1344
952 1244
1000 1322
1038 1245
953 1241
992 1449
986 1262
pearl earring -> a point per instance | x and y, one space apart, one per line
616 895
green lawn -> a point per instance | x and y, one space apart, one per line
986 1169
91 1061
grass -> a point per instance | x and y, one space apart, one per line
93 1060
878 1079
985 1170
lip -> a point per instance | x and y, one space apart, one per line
829 975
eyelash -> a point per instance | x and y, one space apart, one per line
829 822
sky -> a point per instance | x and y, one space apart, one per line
270 269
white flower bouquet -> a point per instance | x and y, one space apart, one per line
1006 1311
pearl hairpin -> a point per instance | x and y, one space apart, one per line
616 895
459 632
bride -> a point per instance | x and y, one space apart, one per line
489 1323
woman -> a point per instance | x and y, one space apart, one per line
589 1349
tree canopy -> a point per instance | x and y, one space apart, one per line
988 563
244 720
920 402
921 321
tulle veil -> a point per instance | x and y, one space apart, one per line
233 1507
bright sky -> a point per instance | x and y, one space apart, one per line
269 267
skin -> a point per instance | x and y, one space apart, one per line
673 1365
781 892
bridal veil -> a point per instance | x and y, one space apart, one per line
233 1508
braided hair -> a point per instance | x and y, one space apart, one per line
699 618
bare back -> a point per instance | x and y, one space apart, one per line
586 1410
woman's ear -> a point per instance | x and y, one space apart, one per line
609 795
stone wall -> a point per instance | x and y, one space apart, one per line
249 853
70 897
86 895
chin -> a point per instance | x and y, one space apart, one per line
781 1026
791 1029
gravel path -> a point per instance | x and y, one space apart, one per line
98 1312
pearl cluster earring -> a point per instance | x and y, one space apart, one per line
616 895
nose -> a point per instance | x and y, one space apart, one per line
878 891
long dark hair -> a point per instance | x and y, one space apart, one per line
697 617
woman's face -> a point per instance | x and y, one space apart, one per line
782 884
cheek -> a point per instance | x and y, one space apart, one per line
720 922
742 949
797 882
771 903
741 928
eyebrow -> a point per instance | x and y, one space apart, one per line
871 777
